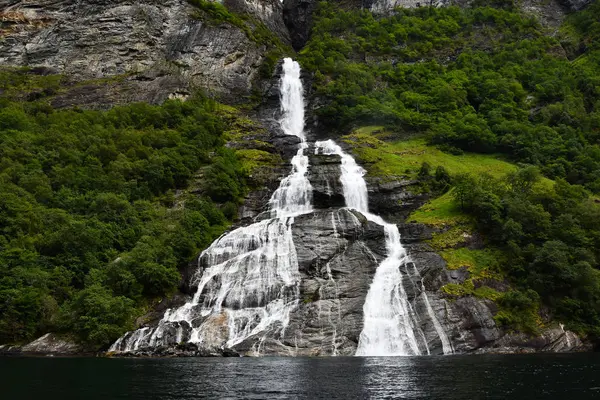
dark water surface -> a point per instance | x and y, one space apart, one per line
563 376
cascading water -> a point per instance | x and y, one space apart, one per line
293 197
390 323
251 280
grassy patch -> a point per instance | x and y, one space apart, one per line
441 211
404 157
456 236
467 288
249 139
458 290
242 130
254 161
481 263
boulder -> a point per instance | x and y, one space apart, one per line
52 344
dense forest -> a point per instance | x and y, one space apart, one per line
487 80
92 223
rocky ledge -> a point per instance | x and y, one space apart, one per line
50 344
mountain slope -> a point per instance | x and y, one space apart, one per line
104 213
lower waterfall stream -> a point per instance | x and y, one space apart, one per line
249 282
390 322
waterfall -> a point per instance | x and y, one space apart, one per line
251 280
248 280
390 322
293 197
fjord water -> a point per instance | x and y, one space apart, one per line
515 377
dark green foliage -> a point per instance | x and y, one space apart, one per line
88 231
552 251
478 79
518 310
438 182
487 79
97 315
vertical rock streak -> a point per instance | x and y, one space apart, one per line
251 280
391 324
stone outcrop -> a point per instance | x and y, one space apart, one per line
394 200
324 175
338 253
297 15
50 344
554 339
153 49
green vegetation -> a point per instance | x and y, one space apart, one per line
254 152
484 85
550 236
441 211
94 223
386 157
483 79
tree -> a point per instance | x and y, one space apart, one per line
465 189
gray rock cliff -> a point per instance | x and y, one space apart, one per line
158 49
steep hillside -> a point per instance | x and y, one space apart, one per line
133 134
298 14
480 80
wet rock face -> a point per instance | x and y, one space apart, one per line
297 15
158 46
324 175
338 252
394 200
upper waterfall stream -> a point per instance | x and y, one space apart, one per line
249 281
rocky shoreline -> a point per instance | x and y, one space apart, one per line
554 340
